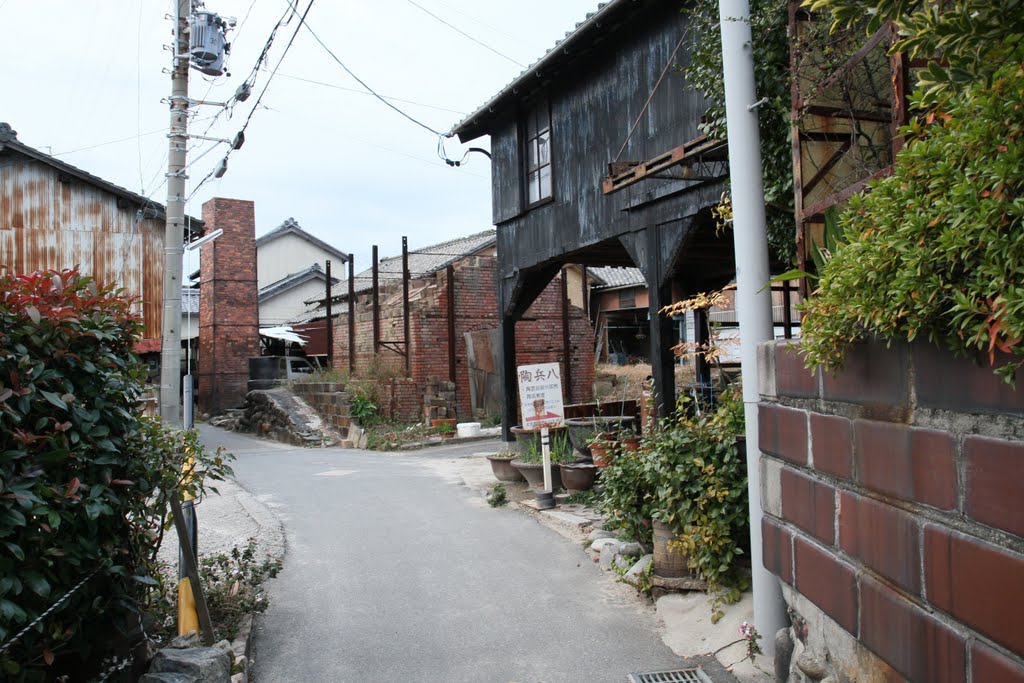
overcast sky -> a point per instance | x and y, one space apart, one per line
80 74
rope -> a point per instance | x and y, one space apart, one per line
47 613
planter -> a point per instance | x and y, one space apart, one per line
670 561
449 429
601 455
525 436
502 468
581 429
630 444
578 477
534 474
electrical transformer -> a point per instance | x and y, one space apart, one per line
207 42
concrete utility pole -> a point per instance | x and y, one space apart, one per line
753 304
170 357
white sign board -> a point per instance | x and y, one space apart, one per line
540 394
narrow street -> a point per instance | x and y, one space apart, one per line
393 571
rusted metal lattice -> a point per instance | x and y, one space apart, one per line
849 100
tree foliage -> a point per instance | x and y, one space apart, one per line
936 250
968 39
83 478
769 21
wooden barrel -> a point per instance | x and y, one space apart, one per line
670 561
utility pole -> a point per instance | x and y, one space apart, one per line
753 298
170 357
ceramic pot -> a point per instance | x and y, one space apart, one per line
670 560
502 468
578 477
534 474
581 429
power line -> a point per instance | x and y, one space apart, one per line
241 133
302 22
110 142
463 33
532 46
366 92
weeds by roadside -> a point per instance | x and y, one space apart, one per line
233 585
498 496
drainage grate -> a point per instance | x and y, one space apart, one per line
677 676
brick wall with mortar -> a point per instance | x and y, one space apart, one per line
538 335
893 514
228 305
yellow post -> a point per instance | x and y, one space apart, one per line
188 616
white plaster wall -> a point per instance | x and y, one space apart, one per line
285 306
289 254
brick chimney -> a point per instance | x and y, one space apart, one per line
228 305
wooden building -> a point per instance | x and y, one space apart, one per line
597 159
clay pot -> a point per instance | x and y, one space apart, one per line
534 474
502 468
582 428
578 477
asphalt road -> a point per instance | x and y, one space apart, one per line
395 572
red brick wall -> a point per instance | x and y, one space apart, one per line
899 507
228 313
538 336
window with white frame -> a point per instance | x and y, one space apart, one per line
537 132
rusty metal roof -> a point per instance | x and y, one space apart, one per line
9 141
595 27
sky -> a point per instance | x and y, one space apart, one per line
83 80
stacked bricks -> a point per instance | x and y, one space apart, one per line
439 401
329 400
892 498
538 335
228 306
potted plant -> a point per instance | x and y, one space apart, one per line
438 421
445 430
529 437
501 466
531 462
602 446
583 429
578 476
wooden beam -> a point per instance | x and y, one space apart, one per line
624 174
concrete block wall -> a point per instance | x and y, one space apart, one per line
228 308
539 335
892 493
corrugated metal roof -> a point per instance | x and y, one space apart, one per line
9 140
612 277
422 262
470 127
291 226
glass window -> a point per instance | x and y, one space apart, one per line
538 153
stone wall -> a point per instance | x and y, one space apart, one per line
893 513
228 305
538 336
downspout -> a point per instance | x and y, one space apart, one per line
753 299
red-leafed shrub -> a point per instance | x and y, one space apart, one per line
83 477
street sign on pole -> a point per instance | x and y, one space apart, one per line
540 395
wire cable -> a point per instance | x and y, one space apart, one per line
302 22
463 33
366 92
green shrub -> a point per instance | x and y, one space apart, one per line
363 408
560 449
936 250
83 479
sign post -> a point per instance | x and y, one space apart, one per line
540 399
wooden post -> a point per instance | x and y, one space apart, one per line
330 319
661 329
405 306
351 314
787 312
451 322
376 304
566 345
586 294
192 569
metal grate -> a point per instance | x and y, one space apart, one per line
677 676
